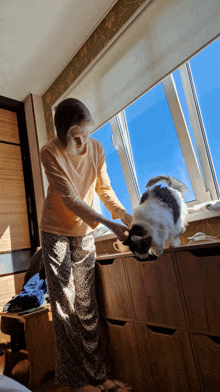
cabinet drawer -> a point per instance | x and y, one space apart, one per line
112 289
155 291
200 275
122 353
208 352
167 359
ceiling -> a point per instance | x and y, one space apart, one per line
38 39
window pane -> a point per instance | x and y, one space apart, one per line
154 141
114 169
205 68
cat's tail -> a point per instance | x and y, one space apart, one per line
171 182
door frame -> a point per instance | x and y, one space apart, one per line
18 107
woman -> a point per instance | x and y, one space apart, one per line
75 167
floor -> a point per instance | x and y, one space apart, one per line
1 364
46 385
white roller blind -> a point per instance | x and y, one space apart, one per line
163 36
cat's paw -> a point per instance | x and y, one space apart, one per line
175 242
156 251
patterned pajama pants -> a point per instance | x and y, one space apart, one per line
70 271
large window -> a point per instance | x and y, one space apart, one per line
173 129
115 172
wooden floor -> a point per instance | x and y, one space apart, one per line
46 385
1 364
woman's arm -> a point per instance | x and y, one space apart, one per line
74 203
89 215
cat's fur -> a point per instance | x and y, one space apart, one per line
159 218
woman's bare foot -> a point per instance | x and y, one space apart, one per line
87 388
107 385
111 383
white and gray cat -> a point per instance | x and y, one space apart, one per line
159 218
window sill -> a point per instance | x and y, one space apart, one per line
202 215
106 236
206 210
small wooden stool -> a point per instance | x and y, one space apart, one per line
39 342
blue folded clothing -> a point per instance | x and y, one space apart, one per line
31 296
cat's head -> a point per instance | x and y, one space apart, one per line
139 242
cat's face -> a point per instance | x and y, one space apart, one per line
139 242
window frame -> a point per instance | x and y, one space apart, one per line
199 132
204 181
193 169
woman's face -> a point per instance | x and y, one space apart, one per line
77 138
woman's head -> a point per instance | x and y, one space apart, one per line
71 115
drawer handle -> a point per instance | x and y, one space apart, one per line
215 339
205 252
149 258
117 322
161 330
105 261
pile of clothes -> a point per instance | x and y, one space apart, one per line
34 291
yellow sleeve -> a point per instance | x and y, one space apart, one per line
65 189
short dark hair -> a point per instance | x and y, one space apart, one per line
68 113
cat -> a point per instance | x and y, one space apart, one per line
159 218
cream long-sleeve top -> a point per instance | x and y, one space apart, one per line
73 179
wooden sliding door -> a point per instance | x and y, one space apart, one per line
14 225
19 235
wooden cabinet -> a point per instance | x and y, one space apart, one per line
208 353
155 292
162 319
122 349
167 359
199 271
112 289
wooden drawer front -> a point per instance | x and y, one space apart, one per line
155 292
208 352
112 289
123 355
200 276
167 359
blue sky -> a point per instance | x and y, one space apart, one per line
155 145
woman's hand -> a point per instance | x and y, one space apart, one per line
126 218
120 231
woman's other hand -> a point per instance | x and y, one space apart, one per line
126 218
120 231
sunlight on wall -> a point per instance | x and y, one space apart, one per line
5 240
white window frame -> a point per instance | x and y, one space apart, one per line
199 132
204 180
123 146
200 191
121 142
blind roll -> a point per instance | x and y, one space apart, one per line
162 37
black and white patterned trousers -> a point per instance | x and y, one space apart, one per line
70 272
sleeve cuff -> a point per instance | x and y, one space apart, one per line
118 214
